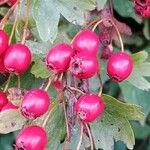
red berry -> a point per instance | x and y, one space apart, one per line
84 65
9 106
3 42
11 2
32 138
89 107
58 85
86 41
58 58
3 99
119 66
17 58
35 103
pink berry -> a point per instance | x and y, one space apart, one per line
119 66
58 58
9 106
11 2
86 41
89 107
32 138
3 99
17 58
3 42
35 103
84 65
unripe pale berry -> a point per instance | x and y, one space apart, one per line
32 138
58 58
3 42
35 103
3 99
84 65
119 66
89 107
86 41
17 58
9 106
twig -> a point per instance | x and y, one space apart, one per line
49 82
7 84
81 136
99 22
74 89
14 24
119 36
53 106
26 22
90 136
4 20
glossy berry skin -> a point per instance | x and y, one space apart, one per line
35 103
11 2
3 99
17 58
119 66
58 58
84 66
86 41
9 106
3 42
31 138
89 107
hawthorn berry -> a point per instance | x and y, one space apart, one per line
3 42
58 58
84 65
35 103
86 41
3 99
17 58
11 2
31 138
119 66
89 107
9 106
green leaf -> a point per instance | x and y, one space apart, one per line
114 124
140 71
136 96
126 9
47 15
11 120
3 11
101 4
39 69
140 131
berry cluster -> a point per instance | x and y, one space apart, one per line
79 60
142 8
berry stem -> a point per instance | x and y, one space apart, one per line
49 82
7 83
81 136
14 24
101 83
3 2
26 21
111 7
62 97
119 36
91 23
90 136
53 106
74 89
99 22
10 11
19 81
